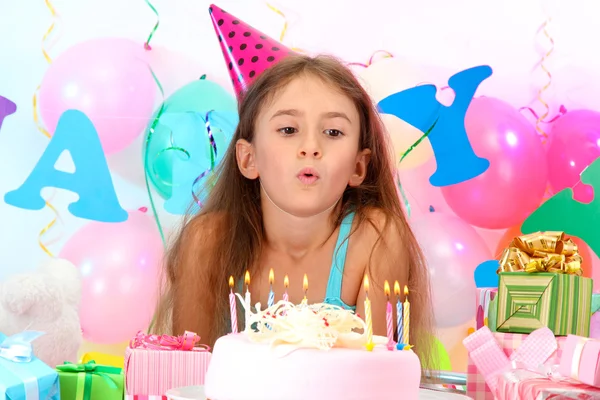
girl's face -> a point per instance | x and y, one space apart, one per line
306 147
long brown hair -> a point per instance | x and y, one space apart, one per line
237 233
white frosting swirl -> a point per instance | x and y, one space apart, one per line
321 326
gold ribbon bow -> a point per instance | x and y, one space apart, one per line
542 252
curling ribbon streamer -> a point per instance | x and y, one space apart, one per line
372 58
40 126
150 134
285 27
213 156
147 44
406 153
561 111
542 64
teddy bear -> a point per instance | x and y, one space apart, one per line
46 300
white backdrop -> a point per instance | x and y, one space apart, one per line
444 37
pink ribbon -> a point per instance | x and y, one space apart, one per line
491 361
188 341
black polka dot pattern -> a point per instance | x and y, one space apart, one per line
248 52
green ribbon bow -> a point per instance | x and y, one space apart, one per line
85 372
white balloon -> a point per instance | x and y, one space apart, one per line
390 75
402 136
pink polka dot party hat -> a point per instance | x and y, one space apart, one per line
246 50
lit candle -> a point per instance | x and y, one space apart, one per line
388 317
368 319
247 299
286 284
271 294
305 287
406 317
232 307
399 324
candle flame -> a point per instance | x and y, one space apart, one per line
396 288
247 278
271 276
366 283
405 290
231 282
305 283
286 282
386 288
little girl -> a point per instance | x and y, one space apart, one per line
306 187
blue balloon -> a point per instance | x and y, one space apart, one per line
191 172
163 148
486 274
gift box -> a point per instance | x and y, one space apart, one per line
155 364
523 384
504 344
528 301
541 285
90 381
22 375
485 296
580 360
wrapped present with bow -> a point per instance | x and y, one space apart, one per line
581 360
155 364
528 370
541 285
22 375
90 381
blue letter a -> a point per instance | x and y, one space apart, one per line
91 179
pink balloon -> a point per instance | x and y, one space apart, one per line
515 182
453 250
120 266
107 79
574 143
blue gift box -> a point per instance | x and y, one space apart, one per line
22 375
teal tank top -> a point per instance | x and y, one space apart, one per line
333 295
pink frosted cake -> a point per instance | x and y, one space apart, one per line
309 353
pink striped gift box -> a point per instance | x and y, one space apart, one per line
508 342
155 364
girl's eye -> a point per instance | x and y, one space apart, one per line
333 132
288 130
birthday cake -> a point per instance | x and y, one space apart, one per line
300 352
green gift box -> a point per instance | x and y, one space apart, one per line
90 381
528 301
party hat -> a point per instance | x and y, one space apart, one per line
247 51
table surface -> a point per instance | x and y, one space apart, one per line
197 393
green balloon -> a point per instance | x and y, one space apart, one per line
159 149
443 359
